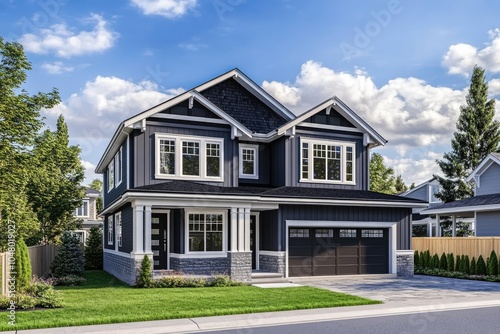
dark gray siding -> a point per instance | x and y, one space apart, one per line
277 162
268 230
488 223
349 213
127 228
490 181
144 150
421 193
334 118
130 162
177 231
117 191
264 166
361 164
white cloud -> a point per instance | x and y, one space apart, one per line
414 170
89 171
406 111
65 42
461 58
167 8
57 67
192 46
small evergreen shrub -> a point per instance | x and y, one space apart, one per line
427 259
23 265
443 263
466 264
473 270
144 280
69 258
492 267
450 262
458 265
435 262
416 259
480 266
69 280
93 250
44 293
462 263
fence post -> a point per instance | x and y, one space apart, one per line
5 274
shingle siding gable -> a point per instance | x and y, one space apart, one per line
243 106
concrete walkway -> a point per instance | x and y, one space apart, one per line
421 294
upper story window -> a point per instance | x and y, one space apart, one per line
205 231
433 190
249 161
327 161
189 157
118 167
83 211
111 175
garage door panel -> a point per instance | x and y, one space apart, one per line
300 271
347 251
324 270
300 251
348 270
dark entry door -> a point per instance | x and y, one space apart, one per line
253 241
159 240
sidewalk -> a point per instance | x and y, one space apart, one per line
198 325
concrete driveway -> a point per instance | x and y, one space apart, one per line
420 288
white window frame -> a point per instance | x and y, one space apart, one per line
203 141
110 229
111 175
118 168
81 207
343 161
255 149
118 229
224 232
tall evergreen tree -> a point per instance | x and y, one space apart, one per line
477 136
400 185
55 191
19 125
382 178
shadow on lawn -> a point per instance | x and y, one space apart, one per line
97 279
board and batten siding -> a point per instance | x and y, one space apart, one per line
127 228
401 216
489 181
361 155
117 191
488 224
144 150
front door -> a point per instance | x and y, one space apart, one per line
159 240
253 241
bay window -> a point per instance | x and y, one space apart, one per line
189 157
327 161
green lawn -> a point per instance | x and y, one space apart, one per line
106 300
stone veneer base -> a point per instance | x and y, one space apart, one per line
124 268
272 263
405 263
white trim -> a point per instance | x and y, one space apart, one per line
329 127
392 226
255 149
343 160
462 209
202 141
111 172
272 253
114 252
256 238
128 161
431 194
191 118
405 252
118 167
485 164
111 233
222 212
197 256
118 231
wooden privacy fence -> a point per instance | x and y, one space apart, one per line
40 257
471 246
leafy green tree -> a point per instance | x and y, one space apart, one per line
477 135
55 191
93 250
382 178
96 184
69 259
22 265
492 267
20 123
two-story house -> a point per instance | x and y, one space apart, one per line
484 207
88 213
224 179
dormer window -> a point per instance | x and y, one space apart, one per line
327 161
191 158
249 163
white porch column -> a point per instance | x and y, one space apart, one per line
241 230
438 226
453 226
429 229
147 229
138 236
234 230
247 229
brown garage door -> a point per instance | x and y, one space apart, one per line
337 251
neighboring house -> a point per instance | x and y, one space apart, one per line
88 213
224 179
425 192
484 206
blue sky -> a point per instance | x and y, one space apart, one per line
402 65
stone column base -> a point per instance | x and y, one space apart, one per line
405 263
240 266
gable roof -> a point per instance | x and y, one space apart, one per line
476 203
406 193
484 165
374 137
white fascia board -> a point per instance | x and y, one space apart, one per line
485 164
343 202
462 209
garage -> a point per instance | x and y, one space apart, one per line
325 251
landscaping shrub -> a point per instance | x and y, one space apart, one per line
443 263
473 270
427 259
93 250
69 258
223 280
23 265
144 280
450 262
44 294
69 280
435 262
178 282
480 266
416 259
466 264
458 264
492 268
